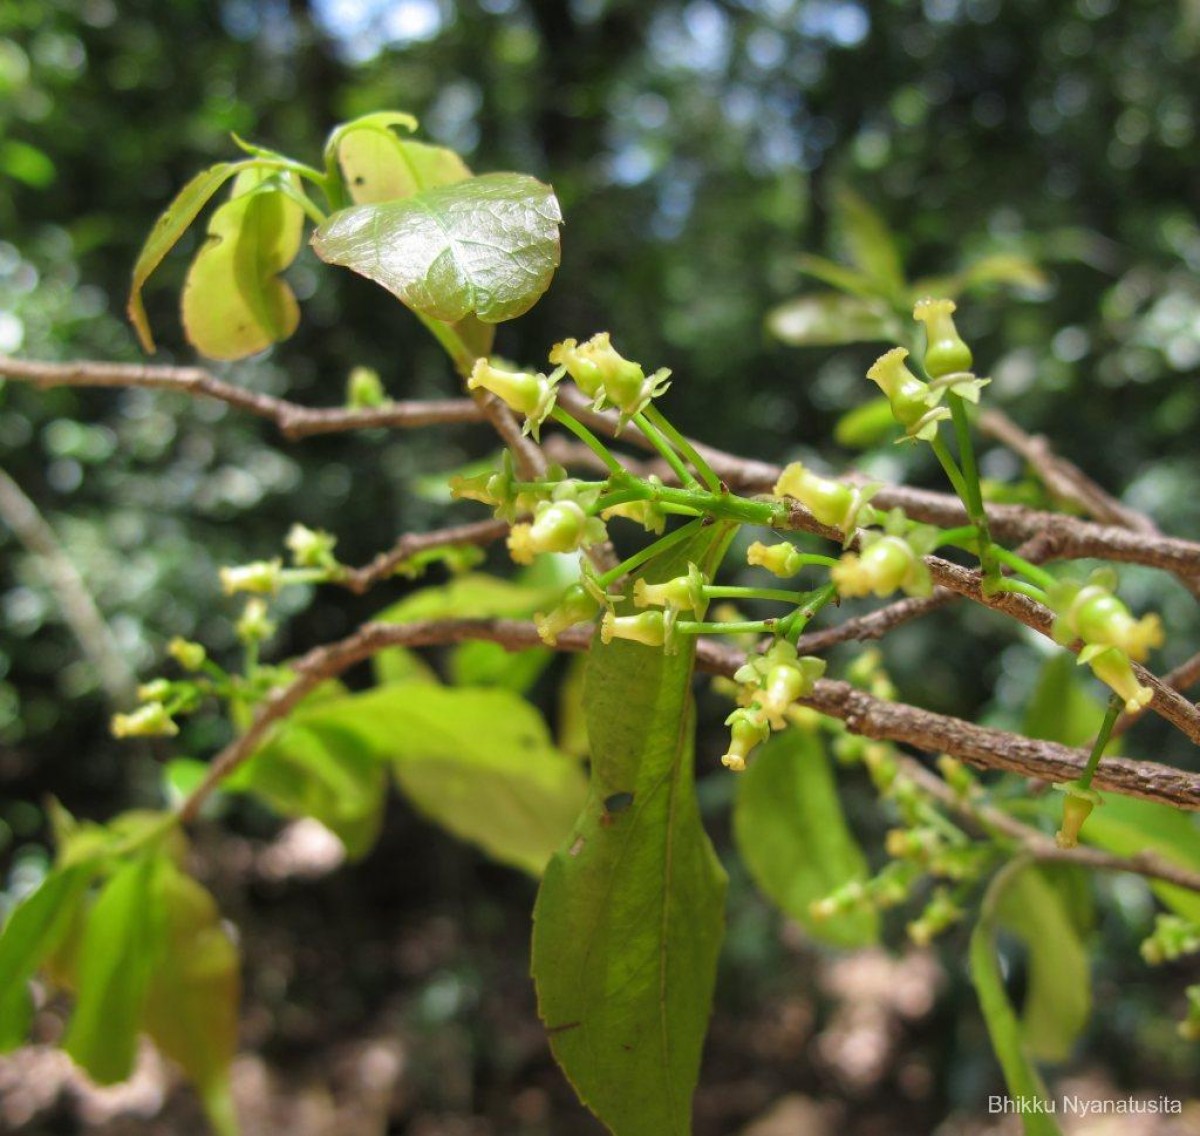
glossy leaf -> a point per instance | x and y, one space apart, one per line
119 952
868 242
1058 996
830 320
1127 826
477 761
191 1008
1023 1080
793 838
629 918
234 303
488 246
32 932
170 226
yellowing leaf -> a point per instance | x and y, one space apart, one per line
378 166
234 305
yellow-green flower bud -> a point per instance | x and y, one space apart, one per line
1077 807
886 564
148 721
191 656
831 502
1097 616
913 404
261 576
606 376
364 389
156 690
748 727
577 605
783 560
525 393
683 593
558 526
941 913
1113 668
945 351
254 626
649 628
310 548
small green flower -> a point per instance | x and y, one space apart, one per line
945 351
776 679
1077 807
148 721
558 526
311 548
648 628
913 404
1092 613
886 563
683 593
748 727
577 605
364 389
831 502
254 625
607 377
1113 668
521 391
264 577
191 656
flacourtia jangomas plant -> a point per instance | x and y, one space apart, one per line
629 916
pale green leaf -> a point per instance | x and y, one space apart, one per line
837 276
1021 1076
477 761
830 320
234 303
118 954
488 246
1058 998
170 226
790 831
629 918
865 425
868 242
378 166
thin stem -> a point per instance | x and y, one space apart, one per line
564 418
974 495
684 446
1115 706
965 536
724 505
666 450
735 592
793 625
951 467
731 627
648 553
452 343
1007 584
1039 576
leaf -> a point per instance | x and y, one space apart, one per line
1063 707
1023 1080
830 320
119 953
316 767
234 304
397 665
790 831
191 1007
865 425
377 166
488 246
170 226
477 761
1003 268
1127 826
837 276
490 664
1058 998
32 932
629 917
868 241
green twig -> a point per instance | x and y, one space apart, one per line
685 447
666 450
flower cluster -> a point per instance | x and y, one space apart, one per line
528 394
562 523
1113 639
606 376
770 683
888 561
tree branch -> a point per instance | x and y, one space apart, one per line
293 420
359 580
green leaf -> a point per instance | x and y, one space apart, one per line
1063 707
1023 1080
234 304
119 952
1005 268
25 163
191 1007
490 664
790 831
488 246
318 767
32 932
1127 826
1058 999
837 276
397 665
830 320
865 425
475 595
383 121
377 166
629 918
868 242
477 761
170 226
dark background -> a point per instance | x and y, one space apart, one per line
695 149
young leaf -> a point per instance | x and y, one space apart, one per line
629 918
119 952
790 831
32 932
234 304
837 276
831 320
1058 999
869 242
1020 1075
479 762
377 166
487 246
191 1008
169 227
